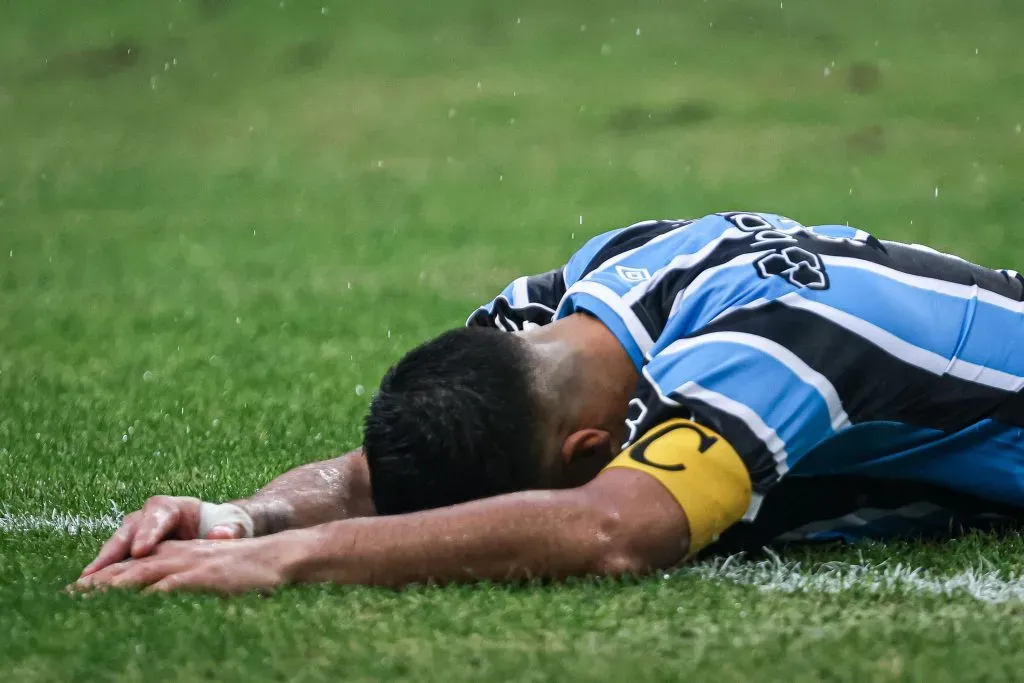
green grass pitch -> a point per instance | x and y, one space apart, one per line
220 221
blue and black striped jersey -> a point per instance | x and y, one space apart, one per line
821 350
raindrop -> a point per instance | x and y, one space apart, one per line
827 71
572 235
124 438
500 178
519 20
975 50
323 10
1017 129
606 49
936 193
147 376
174 61
380 164
583 28
216 422
851 191
581 219
10 254
167 66
452 113
152 82
389 333
479 85
512 122
348 285
638 31
238 321
360 390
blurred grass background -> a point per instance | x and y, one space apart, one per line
220 221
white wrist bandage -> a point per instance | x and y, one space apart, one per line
213 515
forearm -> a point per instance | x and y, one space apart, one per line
312 494
547 534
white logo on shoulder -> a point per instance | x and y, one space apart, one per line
633 274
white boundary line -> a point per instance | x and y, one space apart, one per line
56 520
777 575
769 575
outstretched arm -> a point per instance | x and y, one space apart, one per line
621 522
668 495
311 494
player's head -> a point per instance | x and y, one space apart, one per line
470 414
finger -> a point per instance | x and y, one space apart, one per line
225 532
116 547
137 574
157 522
169 584
102 577
141 576
195 581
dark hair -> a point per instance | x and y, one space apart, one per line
453 421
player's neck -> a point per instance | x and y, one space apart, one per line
589 369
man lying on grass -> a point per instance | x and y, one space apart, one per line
620 414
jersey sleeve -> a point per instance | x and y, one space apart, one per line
533 300
769 404
529 301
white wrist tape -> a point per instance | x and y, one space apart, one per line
213 515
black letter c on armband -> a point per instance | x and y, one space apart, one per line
639 451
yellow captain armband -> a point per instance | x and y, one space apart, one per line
700 469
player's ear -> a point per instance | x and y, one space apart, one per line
584 443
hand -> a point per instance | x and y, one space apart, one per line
160 518
259 564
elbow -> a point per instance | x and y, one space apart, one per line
621 564
614 551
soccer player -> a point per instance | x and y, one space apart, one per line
674 380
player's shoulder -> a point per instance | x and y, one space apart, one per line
609 245
657 237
